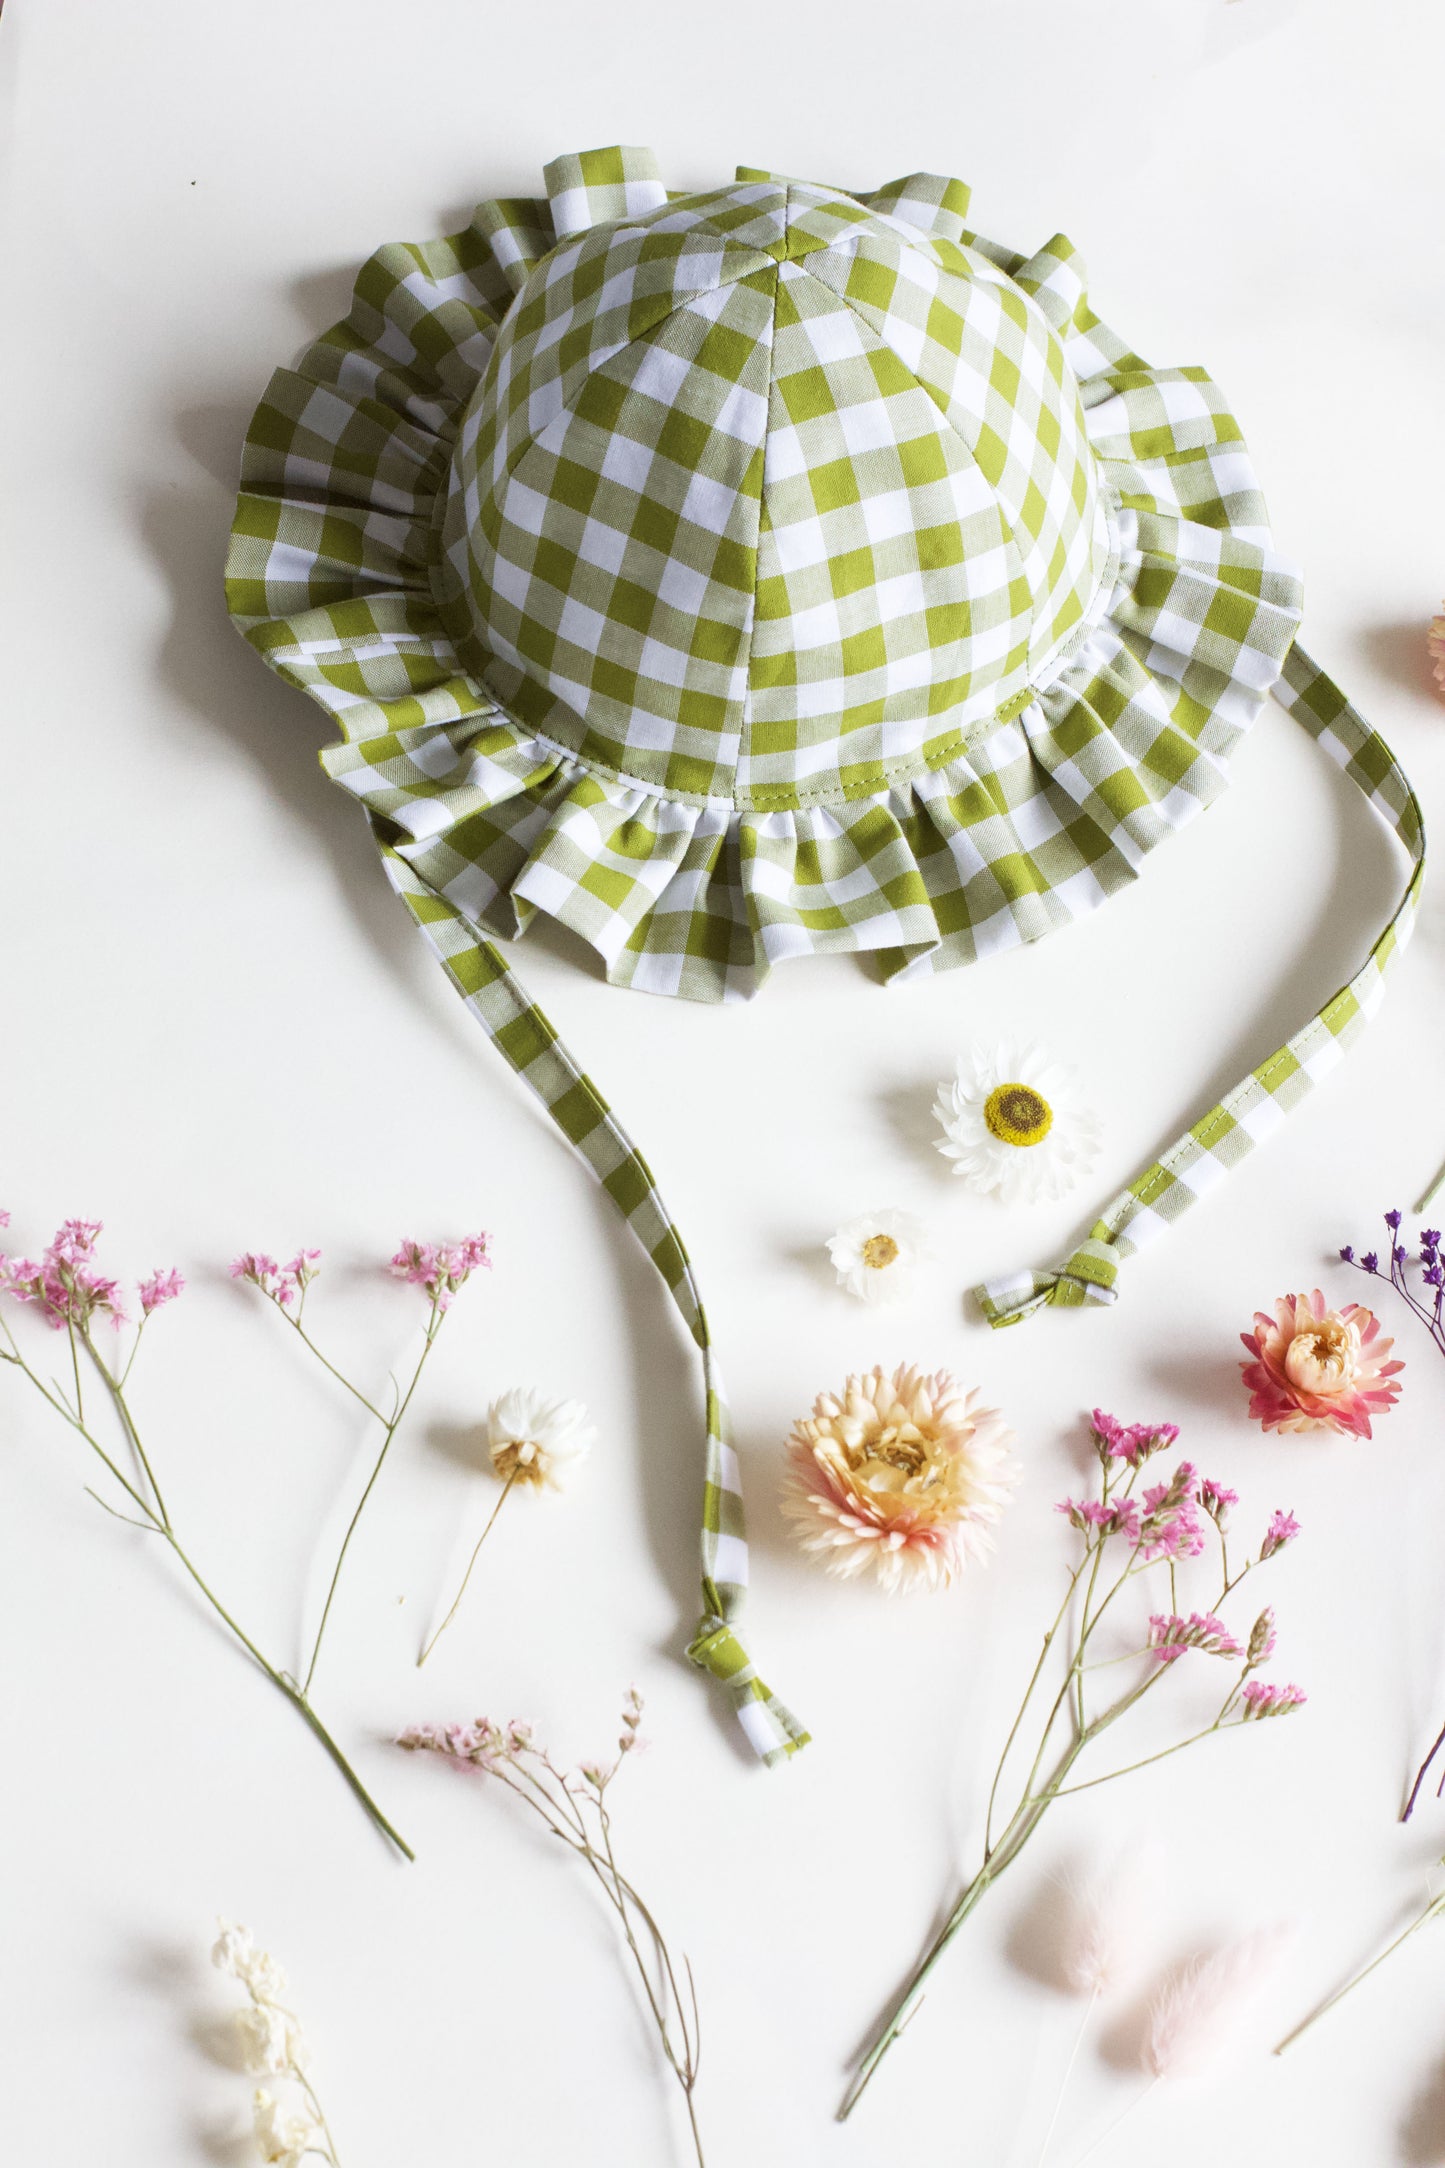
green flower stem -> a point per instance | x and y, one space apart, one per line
325 1361
116 1388
1036 1799
297 1698
1432 1911
466 1577
433 1327
154 1521
1017 1724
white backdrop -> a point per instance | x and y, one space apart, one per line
221 1032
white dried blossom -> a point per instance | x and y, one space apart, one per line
535 1441
271 2041
877 1255
285 2135
1014 1122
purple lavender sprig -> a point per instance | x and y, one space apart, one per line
1427 1298
1427 1301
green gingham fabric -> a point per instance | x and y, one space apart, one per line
1254 1109
762 572
517 1027
1017 730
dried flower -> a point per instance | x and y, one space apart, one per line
285 2135
1282 1529
1318 1369
273 2046
1217 1501
68 1290
537 1442
441 1267
877 1255
904 1476
1262 1699
1262 1636
63 1286
1435 642
1013 1123
160 1288
1171 1636
574 1806
1131 1442
1170 1526
1122 1538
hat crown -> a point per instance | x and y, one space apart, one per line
769 495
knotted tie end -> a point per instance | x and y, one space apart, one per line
773 1731
1088 1276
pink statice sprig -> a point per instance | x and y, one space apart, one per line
1168 1523
441 1268
66 1287
285 1285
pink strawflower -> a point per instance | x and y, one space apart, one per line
1283 1529
1435 642
1170 1636
1318 1369
1131 1442
441 1267
1261 1699
902 1476
161 1287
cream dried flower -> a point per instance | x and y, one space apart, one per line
1435 641
273 2046
536 1441
877 1255
902 1476
285 2135
272 2042
1014 1123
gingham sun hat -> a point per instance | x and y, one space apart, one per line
755 573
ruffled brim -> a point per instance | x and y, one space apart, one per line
331 577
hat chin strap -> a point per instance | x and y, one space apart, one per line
517 1027
1258 1104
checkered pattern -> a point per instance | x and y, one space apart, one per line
766 497
522 1033
764 572
785 829
1256 1107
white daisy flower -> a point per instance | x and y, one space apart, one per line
537 1441
1013 1122
875 1256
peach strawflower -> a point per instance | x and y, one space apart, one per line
1318 1369
903 1476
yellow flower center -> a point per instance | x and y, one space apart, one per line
897 1445
1324 1357
1017 1114
879 1251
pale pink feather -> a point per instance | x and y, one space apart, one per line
1196 2013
